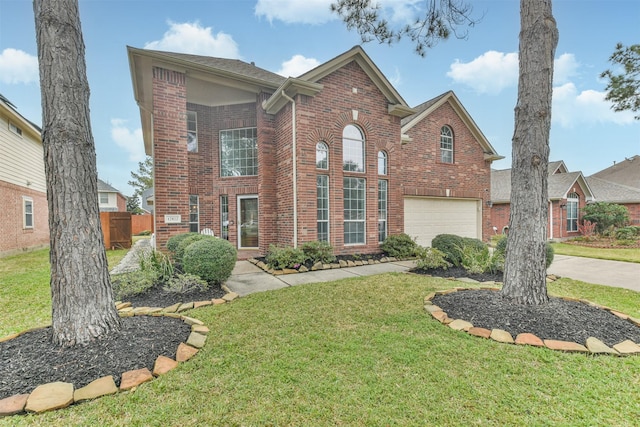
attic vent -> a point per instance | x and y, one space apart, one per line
253 63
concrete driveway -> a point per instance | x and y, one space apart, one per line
598 271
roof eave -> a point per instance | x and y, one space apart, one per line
289 89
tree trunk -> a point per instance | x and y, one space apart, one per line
81 294
525 271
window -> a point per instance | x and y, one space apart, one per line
322 185
238 152
322 155
194 220
224 216
382 210
104 198
446 145
354 210
27 211
15 129
382 163
192 132
573 200
352 149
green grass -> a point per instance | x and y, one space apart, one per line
624 254
362 352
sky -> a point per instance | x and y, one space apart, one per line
290 37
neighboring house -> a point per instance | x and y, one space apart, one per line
334 155
146 202
110 199
626 172
24 217
611 192
568 193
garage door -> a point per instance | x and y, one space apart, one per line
425 218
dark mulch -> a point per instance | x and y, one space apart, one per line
454 272
157 297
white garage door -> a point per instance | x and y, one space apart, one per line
425 218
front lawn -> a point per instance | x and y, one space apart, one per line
614 254
362 352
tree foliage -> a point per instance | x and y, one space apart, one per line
437 21
143 178
133 205
606 215
623 89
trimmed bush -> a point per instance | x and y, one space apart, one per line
549 254
431 258
185 242
133 283
627 233
211 258
185 283
449 245
399 246
279 257
174 241
318 252
606 215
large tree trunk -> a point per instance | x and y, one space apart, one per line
525 271
82 299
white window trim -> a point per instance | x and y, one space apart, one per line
447 150
325 149
195 116
239 198
26 200
220 151
576 201
386 209
15 129
197 204
328 220
364 220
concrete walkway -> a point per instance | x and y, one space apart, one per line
601 272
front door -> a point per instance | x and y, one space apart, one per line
248 222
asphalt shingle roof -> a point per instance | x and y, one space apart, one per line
103 187
626 172
422 107
607 191
557 184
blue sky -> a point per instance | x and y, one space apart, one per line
292 36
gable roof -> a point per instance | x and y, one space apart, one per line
557 167
10 110
626 172
103 187
607 191
423 110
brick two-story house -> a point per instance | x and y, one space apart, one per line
335 154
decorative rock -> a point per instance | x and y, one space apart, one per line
184 307
303 269
253 261
620 315
439 315
48 397
351 263
126 310
432 308
627 347
131 379
460 325
392 259
141 311
342 263
13 405
384 259
633 320
185 352
262 265
200 329
466 280
100 387
218 301
173 315
567 346
230 296
479 332
430 296
290 271
155 310
335 265
199 304
125 313
372 261
163 365
172 308
277 272
317 266
596 346
358 263
446 291
120 306
529 339
196 340
191 321
501 336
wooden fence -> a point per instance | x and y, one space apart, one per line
140 223
116 229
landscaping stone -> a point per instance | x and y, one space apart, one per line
317 266
596 346
479 332
303 269
100 387
191 321
567 346
342 263
262 265
218 301
431 308
529 339
184 307
430 296
141 311
335 265
163 365
439 315
49 397
620 315
230 296
350 264
131 379
185 352
501 336
199 304
627 348
200 329
120 306
172 308
196 340
290 271
9 337
460 325
466 280
13 405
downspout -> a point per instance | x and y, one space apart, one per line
551 219
295 168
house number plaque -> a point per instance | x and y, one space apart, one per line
172 219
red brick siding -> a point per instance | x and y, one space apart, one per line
13 236
634 213
121 202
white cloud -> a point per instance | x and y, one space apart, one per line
17 66
297 66
489 73
571 108
564 68
129 140
191 37
296 11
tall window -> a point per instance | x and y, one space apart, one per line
573 200
382 163
194 214
224 216
354 210
322 155
322 185
238 152
192 132
27 212
352 149
446 145
382 210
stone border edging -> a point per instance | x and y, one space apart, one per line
592 345
58 395
320 266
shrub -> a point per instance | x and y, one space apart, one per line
211 258
587 228
399 246
174 241
185 242
501 245
279 257
606 215
475 259
318 252
449 244
157 261
185 283
501 249
431 258
133 283
145 233
626 233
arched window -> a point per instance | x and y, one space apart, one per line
573 201
322 155
382 163
446 145
352 149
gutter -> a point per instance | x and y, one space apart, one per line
295 167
